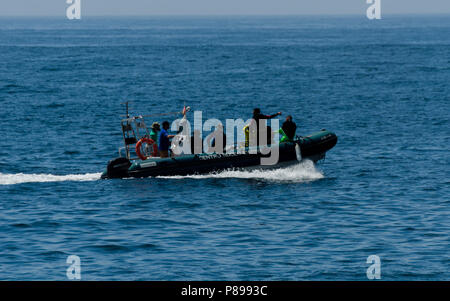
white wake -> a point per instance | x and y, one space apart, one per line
19 178
305 171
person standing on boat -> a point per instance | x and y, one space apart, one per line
216 141
289 127
164 142
257 117
154 132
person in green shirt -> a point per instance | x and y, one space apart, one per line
154 132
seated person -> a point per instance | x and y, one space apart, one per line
196 143
289 127
219 136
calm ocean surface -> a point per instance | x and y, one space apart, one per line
382 87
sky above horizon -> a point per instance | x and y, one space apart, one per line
216 7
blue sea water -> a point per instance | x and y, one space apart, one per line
381 86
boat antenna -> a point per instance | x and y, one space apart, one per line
126 108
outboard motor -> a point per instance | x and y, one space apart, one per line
118 168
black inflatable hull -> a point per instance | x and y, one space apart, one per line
312 147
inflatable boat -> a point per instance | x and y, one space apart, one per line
312 147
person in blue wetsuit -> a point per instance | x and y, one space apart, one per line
164 142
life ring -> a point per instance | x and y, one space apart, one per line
149 142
